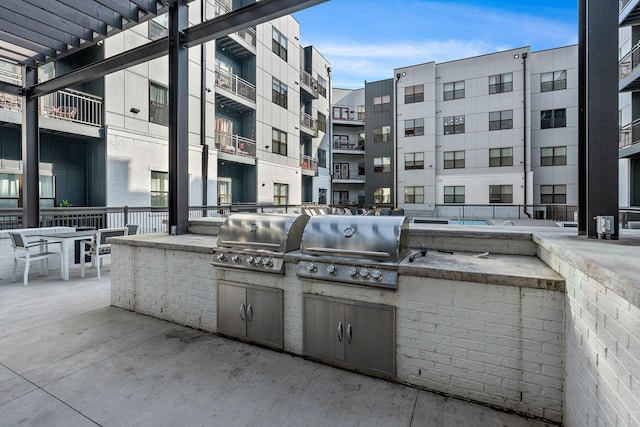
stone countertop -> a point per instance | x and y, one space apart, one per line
488 268
186 242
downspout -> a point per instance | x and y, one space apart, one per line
203 115
395 142
329 198
524 128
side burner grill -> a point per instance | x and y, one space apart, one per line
258 242
361 250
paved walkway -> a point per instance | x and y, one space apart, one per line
67 358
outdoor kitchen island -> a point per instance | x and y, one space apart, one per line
467 320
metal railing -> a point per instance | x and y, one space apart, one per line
235 84
74 106
309 122
221 7
347 144
309 82
623 3
308 163
235 144
629 62
629 134
351 177
500 211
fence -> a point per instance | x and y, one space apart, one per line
548 212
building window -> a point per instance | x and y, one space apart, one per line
341 113
280 194
413 94
279 44
550 194
454 159
322 86
341 170
501 120
556 80
501 194
454 90
322 158
47 190
279 93
553 118
159 27
322 122
501 83
500 157
9 190
414 194
454 194
382 195
382 164
382 103
382 134
413 161
159 188
322 196
553 156
453 124
278 142
158 104
414 127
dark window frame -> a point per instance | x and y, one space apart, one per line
500 157
279 44
500 120
279 93
553 80
414 161
501 194
454 194
456 162
454 125
413 196
414 127
553 194
500 83
159 108
413 94
551 119
453 90
278 145
553 156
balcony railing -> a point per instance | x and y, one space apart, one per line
629 62
235 84
629 134
235 144
221 7
350 177
309 122
307 80
623 3
308 163
73 106
343 143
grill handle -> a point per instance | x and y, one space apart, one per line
340 331
242 312
349 333
372 254
253 244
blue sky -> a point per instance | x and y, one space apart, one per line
367 39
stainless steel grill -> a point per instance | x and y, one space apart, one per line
258 242
360 250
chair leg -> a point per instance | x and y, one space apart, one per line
25 277
15 268
98 263
82 259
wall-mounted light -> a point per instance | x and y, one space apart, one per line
516 56
208 90
134 110
266 147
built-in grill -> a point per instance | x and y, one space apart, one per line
258 242
360 250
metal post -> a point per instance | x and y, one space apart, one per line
30 154
178 118
598 114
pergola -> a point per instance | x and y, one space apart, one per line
34 32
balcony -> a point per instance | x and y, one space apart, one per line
341 178
235 85
309 165
243 42
629 12
629 139
349 116
309 125
309 84
345 145
235 145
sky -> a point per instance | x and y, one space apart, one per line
364 40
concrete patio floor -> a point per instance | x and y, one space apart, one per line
67 358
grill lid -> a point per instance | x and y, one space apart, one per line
258 231
378 239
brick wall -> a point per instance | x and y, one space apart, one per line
602 344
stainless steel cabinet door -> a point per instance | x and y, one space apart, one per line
370 338
264 311
232 310
324 328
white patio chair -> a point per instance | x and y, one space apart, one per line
97 248
27 251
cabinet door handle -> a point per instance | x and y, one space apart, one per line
249 312
340 332
242 311
349 333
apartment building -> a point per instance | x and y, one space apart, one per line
497 129
258 108
629 103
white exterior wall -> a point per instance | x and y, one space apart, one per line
565 58
625 117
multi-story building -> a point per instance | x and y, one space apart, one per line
629 102
497 129
258 108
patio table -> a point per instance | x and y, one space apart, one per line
67 241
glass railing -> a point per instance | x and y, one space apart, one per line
235 144
235 84
342 143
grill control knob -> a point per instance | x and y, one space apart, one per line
268 262
312 267
251 260
259 261
353 272
222 257
376 275
332 270
237 259
364 273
